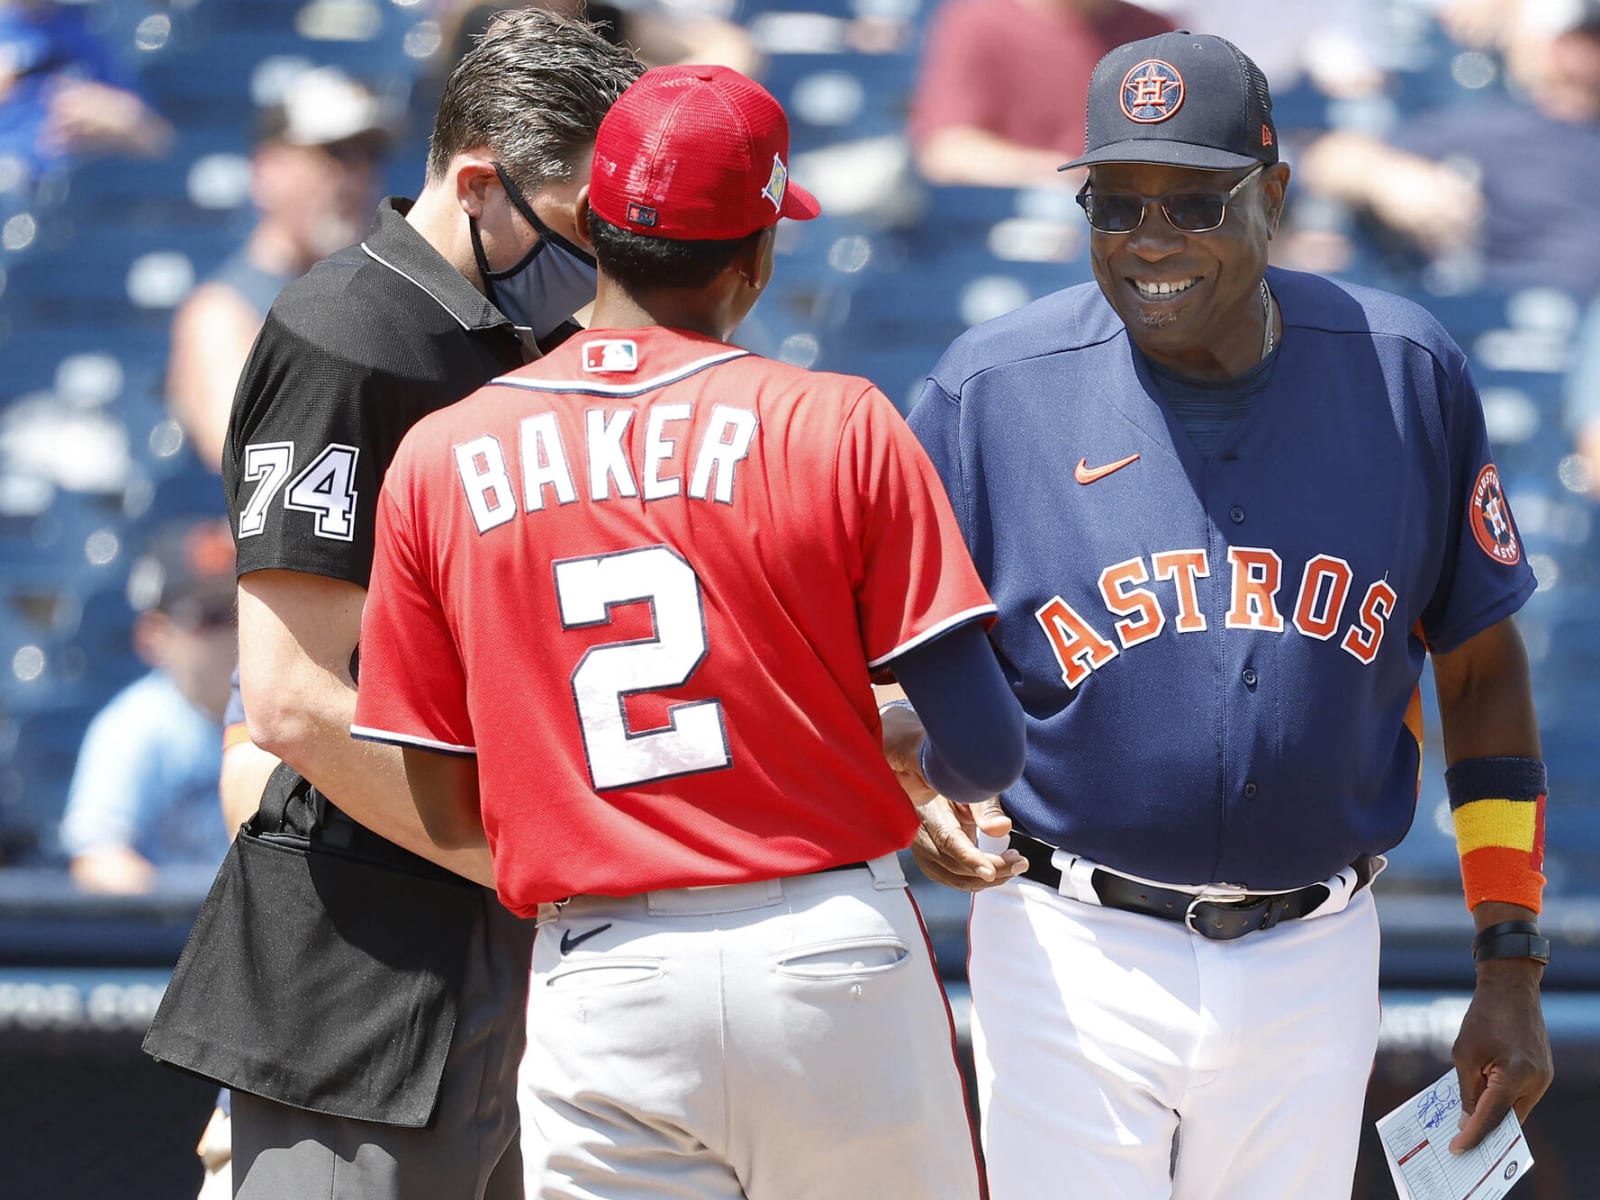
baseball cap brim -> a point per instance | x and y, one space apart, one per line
1167 154
799 204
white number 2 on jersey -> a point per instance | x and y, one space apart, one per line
326 488
696 740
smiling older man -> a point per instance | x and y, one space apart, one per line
1225 512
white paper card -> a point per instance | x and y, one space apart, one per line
1416 1140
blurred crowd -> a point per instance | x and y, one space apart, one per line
1445 148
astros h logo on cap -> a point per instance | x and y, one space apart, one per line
1152 91
697 154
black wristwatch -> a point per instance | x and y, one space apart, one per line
1511 939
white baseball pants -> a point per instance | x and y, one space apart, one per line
785 1040
1121 1056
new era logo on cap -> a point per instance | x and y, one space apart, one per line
610 355
696 153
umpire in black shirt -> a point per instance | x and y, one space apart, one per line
366 1004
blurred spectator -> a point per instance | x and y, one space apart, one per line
313 177
999 99
1583 400
659 32
1328 45
1512 182
1480 24
62 91
144 793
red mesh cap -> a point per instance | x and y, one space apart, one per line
695 153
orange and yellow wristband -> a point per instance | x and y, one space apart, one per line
1497 805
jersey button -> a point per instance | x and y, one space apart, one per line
1236 515
1249 677
1250 790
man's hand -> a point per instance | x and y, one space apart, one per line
1502 1053
946 848
902 746
113 871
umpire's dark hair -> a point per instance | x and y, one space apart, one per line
643 264
533 90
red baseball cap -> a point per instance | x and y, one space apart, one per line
695 153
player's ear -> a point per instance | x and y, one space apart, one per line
580 216
1274 186
755 263
473 173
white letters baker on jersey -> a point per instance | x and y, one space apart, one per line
486 478
1255 578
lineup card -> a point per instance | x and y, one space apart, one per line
1416 1141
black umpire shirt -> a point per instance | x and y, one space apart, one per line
352 355
323 967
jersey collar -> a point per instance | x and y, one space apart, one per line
395 244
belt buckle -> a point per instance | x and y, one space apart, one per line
1232 897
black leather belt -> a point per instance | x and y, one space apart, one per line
1219 920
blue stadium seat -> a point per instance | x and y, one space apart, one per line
37 754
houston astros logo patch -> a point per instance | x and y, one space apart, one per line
1491 519
610 354
1151 92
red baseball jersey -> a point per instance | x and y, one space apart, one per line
646 581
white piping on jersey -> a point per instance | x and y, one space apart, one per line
927 635
367 733
376 257
584 387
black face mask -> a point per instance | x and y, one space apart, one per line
552 281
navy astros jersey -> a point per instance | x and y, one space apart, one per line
1219 658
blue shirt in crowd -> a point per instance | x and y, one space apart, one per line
147 778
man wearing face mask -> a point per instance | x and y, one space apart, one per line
542 289
362 999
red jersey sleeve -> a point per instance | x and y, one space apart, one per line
413 689
914 579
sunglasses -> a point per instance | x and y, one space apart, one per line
1188 212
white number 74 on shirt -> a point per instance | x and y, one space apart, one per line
326 488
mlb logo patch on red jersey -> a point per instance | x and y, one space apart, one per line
610 355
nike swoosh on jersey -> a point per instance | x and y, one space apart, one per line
1084 473
570 943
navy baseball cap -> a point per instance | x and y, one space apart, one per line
1180 99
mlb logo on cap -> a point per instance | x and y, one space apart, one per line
695 153
610 355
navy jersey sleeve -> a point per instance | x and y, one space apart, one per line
976 738
311 435
936 420
1485 576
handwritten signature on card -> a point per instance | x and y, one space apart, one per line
1438 1104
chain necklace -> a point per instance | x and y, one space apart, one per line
1267 340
